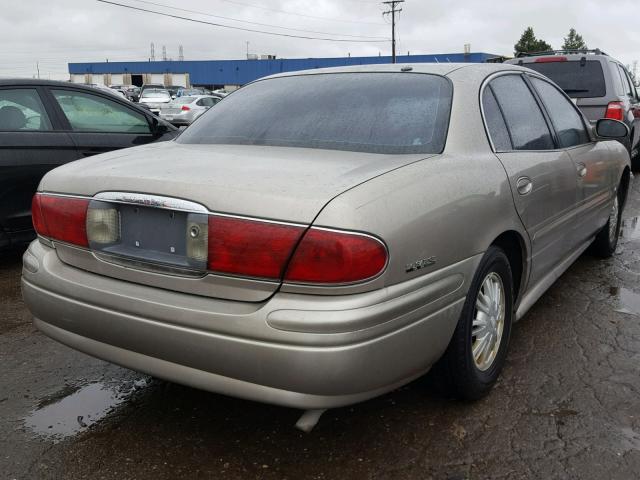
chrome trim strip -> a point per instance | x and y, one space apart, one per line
64 195
255 219
155 201
169 203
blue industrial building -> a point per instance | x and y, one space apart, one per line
236 72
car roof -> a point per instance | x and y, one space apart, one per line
571 57
9 82
444 69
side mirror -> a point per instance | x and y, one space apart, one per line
608 128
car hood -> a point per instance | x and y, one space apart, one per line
269 182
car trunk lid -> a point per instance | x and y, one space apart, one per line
274 183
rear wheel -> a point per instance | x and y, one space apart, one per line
606 241
477 352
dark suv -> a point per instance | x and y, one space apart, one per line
44 124
600 86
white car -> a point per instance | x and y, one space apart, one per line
184 110
155 98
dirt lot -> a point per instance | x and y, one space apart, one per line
567 405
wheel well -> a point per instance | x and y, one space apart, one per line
624 185
513 245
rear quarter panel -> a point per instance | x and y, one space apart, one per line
447 207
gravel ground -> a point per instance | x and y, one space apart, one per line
566 406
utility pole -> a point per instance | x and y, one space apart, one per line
38 68
393 10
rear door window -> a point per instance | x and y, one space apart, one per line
495 122
93 113
626 83
566 120
617 80
22 110
579 79
524 120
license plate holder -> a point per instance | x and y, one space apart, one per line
156 236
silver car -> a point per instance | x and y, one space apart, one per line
155 98
320 238
184 110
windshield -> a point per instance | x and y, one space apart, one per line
578 79
361 112
152 93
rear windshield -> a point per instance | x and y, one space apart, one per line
151 93
577 79
184 100
387 113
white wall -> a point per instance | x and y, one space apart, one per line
179 79
97 78
116 79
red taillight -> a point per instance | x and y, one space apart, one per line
185 108
550 59
615 111
61 218
254 248
36 216
250 247
329 256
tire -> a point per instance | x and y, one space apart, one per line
470 377
606 241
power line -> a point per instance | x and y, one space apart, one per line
235 2
255 23
393 10
236 28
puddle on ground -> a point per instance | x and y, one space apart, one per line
630 229
627 301
78 409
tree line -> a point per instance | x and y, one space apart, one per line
528 42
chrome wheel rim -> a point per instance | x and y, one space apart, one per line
613 221
488 321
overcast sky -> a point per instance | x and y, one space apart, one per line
55 32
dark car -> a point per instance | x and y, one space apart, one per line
44 124
599 85
173 90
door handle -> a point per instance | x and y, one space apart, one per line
582 169
524 185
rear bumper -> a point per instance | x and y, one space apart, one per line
293 350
